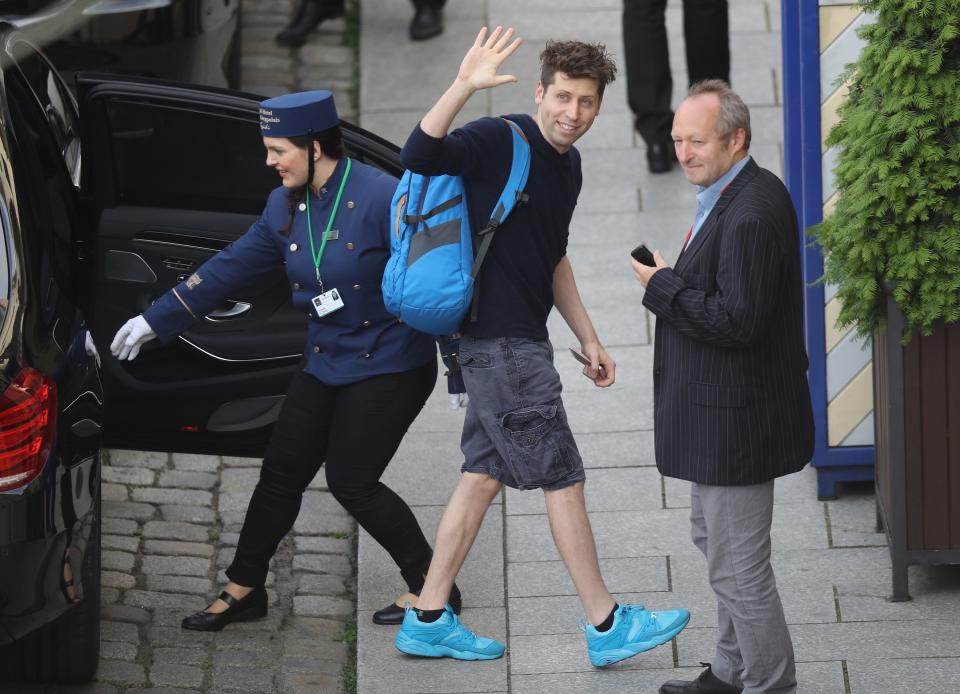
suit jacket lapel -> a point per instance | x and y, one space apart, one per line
713 219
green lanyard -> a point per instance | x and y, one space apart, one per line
317 256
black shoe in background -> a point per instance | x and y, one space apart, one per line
706 683
427 22
660 157
309 16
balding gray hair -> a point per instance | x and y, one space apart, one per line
734 114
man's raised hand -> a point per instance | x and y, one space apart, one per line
480 64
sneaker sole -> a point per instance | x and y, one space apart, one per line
405 644
615 656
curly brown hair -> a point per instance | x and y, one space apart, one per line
576 60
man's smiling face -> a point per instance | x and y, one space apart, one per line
566 109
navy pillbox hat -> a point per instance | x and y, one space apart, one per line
301 113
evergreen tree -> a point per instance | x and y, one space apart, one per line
897 222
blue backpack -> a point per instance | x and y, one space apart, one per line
429 281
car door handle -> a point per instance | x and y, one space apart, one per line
237 309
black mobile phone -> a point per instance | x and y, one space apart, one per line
643 255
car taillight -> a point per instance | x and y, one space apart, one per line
28 419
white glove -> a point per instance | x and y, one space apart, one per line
90 348
130 338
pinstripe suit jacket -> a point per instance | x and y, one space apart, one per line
731 401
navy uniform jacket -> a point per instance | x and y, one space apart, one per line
356 342
731 400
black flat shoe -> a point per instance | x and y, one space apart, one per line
427 22
706 683
660 157
252 606
393 613
309 17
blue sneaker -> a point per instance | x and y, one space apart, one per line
634 630
446 637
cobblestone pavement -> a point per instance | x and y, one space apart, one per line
171 521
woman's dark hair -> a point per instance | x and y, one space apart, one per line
331 144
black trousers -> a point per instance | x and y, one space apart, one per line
354 429
649 82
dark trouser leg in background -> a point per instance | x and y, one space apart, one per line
649 82
706 34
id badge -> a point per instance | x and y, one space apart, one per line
327 303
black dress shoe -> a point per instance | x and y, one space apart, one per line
706 683
251 606
393 613
309 16
427 22
660 157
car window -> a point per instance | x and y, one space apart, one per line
56 101
177 157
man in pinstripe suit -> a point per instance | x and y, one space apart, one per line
731 403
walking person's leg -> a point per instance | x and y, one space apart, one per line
356 460
707 40
738 560
295 452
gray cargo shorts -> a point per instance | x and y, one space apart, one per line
515 429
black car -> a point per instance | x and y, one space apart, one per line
196 41
105 203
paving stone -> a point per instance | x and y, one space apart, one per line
175 566
187 479
244 658
180 584
321 650
120 542
229 539
178 675
313 628
114 492
188 514
321 605
232 461
118 650
316 54
240 479
243 679
185 656
115 579
311 664
177 549
324 545
195 462
138 459
118 526
128 509
151 599
121 672
127 475
320 584
190 497
303 683
335 564
123 613
248 640
109 596
116 561
176 637
167 530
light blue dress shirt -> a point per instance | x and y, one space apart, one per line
707 197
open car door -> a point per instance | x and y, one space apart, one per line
171 174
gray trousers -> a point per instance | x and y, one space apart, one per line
731 526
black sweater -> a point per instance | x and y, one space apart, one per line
516 279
